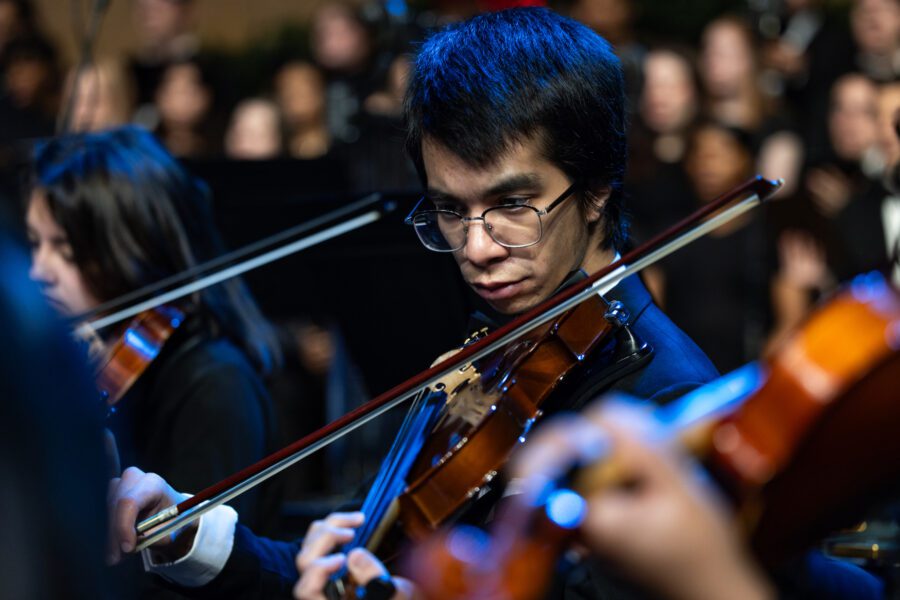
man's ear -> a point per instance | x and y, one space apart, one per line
595 201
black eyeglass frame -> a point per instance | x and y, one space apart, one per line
410 220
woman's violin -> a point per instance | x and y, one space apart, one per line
802 443
120 363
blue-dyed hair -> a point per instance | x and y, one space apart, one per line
134 216
518 74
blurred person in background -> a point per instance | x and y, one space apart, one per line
343 47
853 136
165 34
388 101
17 21
31 88
254 132
614 20
104 97
667 108
185 101
716 288
869 225
860 209
730 73
876 30
811 256
300 92
806 48
377 161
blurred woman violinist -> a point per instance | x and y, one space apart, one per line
109 213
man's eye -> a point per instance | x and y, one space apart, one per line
515 201
449 207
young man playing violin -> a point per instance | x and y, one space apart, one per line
516 123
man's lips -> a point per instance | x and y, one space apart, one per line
498 290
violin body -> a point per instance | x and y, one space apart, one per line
821 447
123 362
491 411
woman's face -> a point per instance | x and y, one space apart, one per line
669 99
182 98
853 117
301 94
716 163
53 265
726 62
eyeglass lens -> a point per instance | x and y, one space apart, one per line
511 226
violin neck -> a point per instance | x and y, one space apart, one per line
380 506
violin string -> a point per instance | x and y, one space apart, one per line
386 473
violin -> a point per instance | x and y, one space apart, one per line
802 443
119 365
496 391
455 441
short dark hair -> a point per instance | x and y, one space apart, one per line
524 73
134 216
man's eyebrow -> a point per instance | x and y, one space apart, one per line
436 195
512 183
515 183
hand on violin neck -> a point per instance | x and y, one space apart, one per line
134 496
317 562
653 517
367 578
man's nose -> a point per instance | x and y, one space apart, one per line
481 248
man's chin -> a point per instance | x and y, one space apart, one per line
511 306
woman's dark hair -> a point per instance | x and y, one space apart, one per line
518 74
134 216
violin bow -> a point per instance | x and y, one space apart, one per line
219 269
715 214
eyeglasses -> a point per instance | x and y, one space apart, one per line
512 226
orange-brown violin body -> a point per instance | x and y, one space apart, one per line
490 413
128 357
